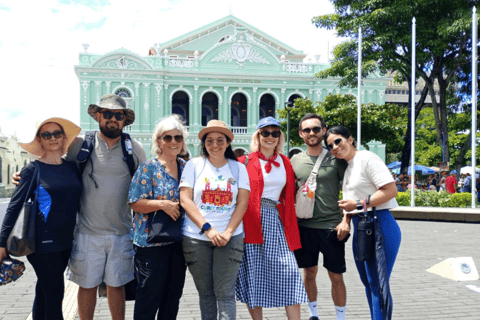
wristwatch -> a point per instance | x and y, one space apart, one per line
359 205
205 227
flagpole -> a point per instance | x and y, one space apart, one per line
474 104
412 137
359 94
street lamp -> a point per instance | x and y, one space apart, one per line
289 106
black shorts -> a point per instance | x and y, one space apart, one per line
315 241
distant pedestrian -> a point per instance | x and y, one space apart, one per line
450 182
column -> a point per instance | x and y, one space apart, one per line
108 84
136 106
85 119
164 110
226 106
98 92
254 117
146 106
282 103
196 108
156 110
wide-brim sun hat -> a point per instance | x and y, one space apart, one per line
112 102
216 126
71 132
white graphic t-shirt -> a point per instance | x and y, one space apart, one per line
214 193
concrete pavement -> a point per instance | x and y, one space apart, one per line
417 294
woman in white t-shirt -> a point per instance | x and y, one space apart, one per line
368 183
214 191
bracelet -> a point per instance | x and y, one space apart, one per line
368 199
359 205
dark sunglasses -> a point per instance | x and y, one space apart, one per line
109 114
314 129
336 142
168 138
48 135
267 134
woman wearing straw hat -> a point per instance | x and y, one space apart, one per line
214 191
58 194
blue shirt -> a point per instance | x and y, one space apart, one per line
151 181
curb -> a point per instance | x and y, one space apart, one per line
466 215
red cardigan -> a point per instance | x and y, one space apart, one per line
252 221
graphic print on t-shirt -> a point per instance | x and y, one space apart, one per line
217 195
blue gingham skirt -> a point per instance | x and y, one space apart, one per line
269 275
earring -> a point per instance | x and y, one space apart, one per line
159 151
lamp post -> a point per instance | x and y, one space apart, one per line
289 106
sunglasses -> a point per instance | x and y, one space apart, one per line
48 135
314 129
219 142
267 134
336 142
109 114
168 138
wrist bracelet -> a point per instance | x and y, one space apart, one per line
368 199
359 205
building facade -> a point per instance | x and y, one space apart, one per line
227 70
12 159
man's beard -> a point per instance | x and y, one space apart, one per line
111 133
319 141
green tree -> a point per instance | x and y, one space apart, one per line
442 47
384 123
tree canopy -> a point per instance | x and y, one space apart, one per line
443 48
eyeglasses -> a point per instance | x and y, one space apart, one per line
219 142
168 138
109 114
48 135
336 142
267 134
314 129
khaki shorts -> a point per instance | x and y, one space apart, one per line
97 259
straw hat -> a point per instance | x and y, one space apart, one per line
71 132
216 126
112 102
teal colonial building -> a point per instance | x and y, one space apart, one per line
227 70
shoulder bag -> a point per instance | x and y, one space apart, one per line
365 235
21 241
162 228
305 198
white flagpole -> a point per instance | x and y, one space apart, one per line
412 137
359 95
474 104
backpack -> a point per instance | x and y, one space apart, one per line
89 143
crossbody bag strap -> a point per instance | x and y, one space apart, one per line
319 162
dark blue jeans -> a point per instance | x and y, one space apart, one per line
160 274
49 291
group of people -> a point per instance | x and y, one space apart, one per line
241 236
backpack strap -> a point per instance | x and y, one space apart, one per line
127 148
233 164
86 151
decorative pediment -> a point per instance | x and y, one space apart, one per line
122 59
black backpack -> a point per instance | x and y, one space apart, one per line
87 148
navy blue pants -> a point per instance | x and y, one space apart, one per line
368 270
49 291
160 274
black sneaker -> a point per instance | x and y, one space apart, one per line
314 318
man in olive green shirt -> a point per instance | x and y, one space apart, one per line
326 231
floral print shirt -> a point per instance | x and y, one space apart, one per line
151 181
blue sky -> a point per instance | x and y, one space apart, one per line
40 42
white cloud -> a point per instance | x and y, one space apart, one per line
40 42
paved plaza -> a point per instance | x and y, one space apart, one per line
417 294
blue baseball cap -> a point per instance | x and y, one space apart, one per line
268 121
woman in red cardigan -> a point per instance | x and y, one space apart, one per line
269 275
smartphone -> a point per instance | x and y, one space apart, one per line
332 236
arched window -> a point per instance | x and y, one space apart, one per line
209 107
239 110
180 105
293 97
267 106
124 93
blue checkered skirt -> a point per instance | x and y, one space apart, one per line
269 275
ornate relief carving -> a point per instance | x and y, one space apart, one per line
122 75
146 105
181 63
85 85
122 63
295 67
159 89
240 52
